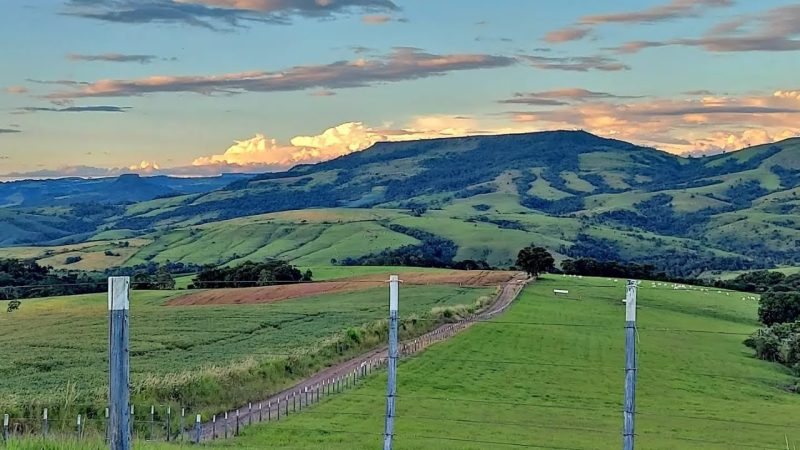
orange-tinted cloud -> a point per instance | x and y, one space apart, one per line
376 19
401 64
566 35
16 89
704 124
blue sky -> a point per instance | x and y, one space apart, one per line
90 87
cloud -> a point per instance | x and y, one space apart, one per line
560 97
776 30
323 93
699 92
566 35
16 89
220 14
78 109
675 9
637 46
376 19
697 124
402 64
145 167
576 63
267 153
8 131
113 57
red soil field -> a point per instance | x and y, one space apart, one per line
272 294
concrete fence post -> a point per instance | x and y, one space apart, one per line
119 363
391 388
630 366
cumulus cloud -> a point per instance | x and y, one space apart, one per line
220 14
113 57
576 63
145 167
263 151
16 89
401 64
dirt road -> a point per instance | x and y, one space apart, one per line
346 374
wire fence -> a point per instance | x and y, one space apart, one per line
177 423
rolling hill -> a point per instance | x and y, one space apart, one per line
573 192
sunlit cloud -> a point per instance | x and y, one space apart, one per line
675 9
776 30
376 19
16 89
698 124
566 35
401 64
334 142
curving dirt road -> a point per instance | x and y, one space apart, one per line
341 376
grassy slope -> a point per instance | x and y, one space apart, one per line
173 340
561 386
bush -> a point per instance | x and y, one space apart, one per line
72 259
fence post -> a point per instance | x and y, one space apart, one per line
80 428
630 366
225 425
183 423
198 429
106 426
250 413
169 422
46 425
214 426
152 421
391 390
237 422
132 422
260 413
119 363
5 427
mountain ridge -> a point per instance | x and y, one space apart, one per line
576 193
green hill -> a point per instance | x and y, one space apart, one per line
573 192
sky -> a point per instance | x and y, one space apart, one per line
202 87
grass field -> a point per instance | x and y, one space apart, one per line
54 350
549 373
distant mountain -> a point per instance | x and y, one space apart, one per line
112 190
576 193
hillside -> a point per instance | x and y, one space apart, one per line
575 193
548 374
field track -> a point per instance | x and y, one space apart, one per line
272 294
509 289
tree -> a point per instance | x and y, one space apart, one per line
142 281
779 307
535 260
164 279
